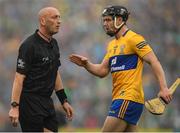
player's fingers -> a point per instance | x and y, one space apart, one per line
72 58
75 59
169 98
72 55
75 56
84 59
78 58
79 61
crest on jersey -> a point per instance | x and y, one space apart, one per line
115 47
122 93
122 49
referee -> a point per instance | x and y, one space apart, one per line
37 76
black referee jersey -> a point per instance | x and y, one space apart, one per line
39 61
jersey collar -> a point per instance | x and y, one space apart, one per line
44 42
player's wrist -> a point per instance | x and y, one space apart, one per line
87 64
61 96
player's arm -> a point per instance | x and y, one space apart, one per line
62 96
152 60
100 70
144 51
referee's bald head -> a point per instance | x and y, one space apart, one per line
47 11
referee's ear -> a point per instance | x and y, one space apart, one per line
42 21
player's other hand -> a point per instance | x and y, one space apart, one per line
14 115
78 60
165 95
69 110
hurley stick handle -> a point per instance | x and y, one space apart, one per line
174 85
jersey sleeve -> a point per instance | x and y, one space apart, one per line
24 59
58 61
140 45
57 52
107 55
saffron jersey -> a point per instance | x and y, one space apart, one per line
126 66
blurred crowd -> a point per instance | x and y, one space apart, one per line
82 33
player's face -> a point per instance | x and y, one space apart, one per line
53 22
108 24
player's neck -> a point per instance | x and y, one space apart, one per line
121 32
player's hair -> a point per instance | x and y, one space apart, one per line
115 11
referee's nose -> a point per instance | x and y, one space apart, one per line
59 21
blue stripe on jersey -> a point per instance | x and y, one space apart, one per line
123 62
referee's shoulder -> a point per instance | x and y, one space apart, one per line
28 40
27 43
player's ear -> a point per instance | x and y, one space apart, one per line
119 20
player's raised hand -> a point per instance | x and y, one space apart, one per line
78 60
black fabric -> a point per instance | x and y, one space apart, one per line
39 61
61 96
37 112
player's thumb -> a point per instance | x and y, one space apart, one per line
84 60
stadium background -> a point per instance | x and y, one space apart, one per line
81 32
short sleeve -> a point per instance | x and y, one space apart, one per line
58 60
57 52
107 55
140 45
24 59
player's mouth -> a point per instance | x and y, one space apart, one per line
105 28
58 26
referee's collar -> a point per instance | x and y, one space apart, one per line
43 41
